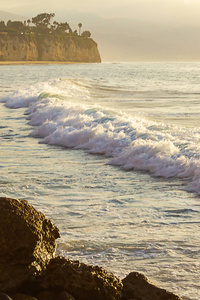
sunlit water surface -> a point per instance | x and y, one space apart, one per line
110 152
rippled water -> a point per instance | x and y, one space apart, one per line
110 152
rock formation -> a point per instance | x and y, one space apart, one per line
82 281
137 286
29 269
27 242
32 47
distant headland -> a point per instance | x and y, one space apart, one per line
44 40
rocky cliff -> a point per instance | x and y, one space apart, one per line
32 47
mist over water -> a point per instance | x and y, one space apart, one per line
111 153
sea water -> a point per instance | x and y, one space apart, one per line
110 152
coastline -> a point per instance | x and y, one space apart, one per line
96 162
2 63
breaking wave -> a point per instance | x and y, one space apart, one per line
63 113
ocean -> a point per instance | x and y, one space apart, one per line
110 152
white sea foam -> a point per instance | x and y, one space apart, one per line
142 117
62 116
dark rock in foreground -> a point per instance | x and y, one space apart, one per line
27 242
136 286
82 281
29 269
23 297
64 296
3 296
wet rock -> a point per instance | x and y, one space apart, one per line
27 242
136 286
23 297
65 296
4 296
46 295
30 271
29 288
83 282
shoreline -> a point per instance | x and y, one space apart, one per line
30 268
3 63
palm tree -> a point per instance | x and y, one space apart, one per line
79 25
28 21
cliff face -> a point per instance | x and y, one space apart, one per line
31 47
16 47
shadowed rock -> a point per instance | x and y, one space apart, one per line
46 295
27 242
4 297
23 297
65 296
30 270
83 282
136 286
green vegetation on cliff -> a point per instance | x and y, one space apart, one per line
45 40
42 24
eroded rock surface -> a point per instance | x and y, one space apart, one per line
27 242
30 270
32 47
137 286
83 282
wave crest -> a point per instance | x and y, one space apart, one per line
61 116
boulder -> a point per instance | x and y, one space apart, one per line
64 296
27 242
29 269
4 296
136 286
46 295
82 281
23 297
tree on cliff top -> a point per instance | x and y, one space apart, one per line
42 25
79 25
42 21
86 34
14 26
2 25
61 27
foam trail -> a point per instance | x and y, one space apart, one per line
61 115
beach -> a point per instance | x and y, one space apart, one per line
36 62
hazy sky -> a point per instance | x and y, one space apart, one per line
127 29
179 11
